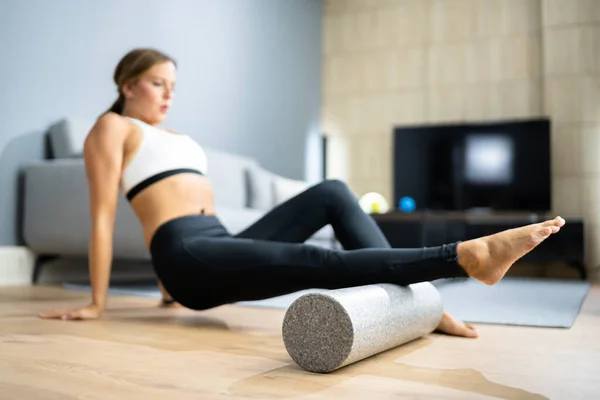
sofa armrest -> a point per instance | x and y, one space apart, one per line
56 213
53 217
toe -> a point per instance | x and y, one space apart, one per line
465 330
558 221
550 222
471 331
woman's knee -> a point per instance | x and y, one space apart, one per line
334 191
333 186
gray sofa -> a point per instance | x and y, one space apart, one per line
56 208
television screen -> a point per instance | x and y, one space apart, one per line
496 166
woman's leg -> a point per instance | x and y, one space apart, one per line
329 202
297 219
206 272
203 272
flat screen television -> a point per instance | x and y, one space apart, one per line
491 166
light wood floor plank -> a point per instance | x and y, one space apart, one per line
140 351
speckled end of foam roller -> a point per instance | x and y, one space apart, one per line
317 333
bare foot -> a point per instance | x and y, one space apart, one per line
451 326
487 259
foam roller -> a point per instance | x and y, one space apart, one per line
325 331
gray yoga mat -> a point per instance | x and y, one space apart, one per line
540 302
127 289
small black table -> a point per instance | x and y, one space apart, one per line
425 229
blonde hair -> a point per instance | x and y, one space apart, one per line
131 66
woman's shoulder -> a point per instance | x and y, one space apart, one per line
110 124
112 120
110 129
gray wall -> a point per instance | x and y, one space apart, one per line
248 81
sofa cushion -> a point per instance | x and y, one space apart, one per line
227 173
324 234
68 135
259 184
235 220
285 188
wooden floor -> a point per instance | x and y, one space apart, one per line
139 351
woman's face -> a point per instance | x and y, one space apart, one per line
151 95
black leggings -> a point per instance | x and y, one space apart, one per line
202 265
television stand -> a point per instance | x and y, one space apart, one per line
426 229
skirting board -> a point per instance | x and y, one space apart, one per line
16 265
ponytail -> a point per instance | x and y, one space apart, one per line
118 105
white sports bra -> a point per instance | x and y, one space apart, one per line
160 155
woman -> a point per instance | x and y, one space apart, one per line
200 264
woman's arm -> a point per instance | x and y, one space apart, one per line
103 155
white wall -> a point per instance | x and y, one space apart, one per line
249 76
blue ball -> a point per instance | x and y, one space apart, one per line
407 204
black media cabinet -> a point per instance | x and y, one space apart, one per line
423 229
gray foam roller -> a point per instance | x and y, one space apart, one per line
326 331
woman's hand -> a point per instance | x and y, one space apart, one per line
91 311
